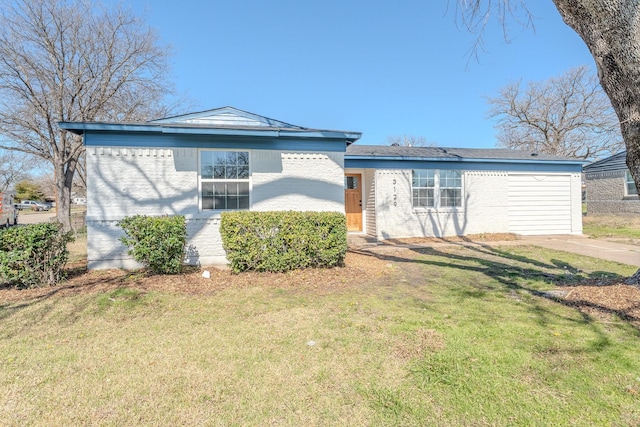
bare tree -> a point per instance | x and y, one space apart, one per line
13 169
73 60
569 116
610 30
410 141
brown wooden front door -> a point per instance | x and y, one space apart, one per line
353 201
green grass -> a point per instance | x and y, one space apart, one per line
625 227
457 336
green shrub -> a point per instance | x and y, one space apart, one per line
156 242
33 255
283 241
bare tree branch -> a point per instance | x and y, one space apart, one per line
74 60
475 15
410 141
569 115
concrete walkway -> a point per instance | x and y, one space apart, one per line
577 244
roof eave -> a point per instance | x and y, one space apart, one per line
80 128
460 159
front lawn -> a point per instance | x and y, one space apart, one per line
625 228
447 335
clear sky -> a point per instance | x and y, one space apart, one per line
382 68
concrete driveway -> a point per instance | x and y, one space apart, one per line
577 244
584 245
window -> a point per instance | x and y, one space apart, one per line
631 186
434 188
350 182
224 180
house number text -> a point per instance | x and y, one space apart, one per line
395 195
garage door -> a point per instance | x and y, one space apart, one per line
539 204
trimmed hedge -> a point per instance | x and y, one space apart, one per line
156 242
33 255
283 241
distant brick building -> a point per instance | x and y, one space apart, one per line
610 188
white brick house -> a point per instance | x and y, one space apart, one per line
199 165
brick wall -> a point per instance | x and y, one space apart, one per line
128 181
483 210
606 194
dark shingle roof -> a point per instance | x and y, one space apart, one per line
614 163
450 153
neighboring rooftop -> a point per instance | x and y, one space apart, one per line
613 163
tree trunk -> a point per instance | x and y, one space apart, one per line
63 195
634 280
610 31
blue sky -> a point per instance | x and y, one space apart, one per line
381 68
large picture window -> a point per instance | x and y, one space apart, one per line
435 188
224 180
631 186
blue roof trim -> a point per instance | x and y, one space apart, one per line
137 129
376 159
351 161
160 140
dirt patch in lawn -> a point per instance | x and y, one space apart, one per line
359 269
602 300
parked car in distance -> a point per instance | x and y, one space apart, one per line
33 205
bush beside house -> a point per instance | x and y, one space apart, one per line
156 242
283 241
33 255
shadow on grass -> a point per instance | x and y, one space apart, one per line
514 273
90 287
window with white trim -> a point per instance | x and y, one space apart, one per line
224 180
436 188
630 185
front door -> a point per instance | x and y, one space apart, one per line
353 201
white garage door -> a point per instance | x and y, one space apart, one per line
539 204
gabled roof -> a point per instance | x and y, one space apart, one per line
614 163
225 121
226 116
381 152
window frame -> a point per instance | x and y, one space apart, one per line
437 190
202 180
628 179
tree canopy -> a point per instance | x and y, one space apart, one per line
73 60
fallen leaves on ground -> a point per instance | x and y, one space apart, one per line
604 300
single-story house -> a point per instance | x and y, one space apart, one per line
202 164
610 187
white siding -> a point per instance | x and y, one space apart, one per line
128 181
540 204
